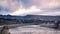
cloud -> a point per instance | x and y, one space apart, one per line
23 11
9 5
45 3
25 1
55 13
25 7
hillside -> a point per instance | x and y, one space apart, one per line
28 19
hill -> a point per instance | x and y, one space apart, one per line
28 19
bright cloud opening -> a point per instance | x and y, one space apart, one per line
23 11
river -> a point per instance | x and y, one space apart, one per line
33 29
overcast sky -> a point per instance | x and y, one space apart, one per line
33 7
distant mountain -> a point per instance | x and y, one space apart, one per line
32 17
28 19
11 17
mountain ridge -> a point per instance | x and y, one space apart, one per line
27 17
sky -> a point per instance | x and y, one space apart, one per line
30 7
